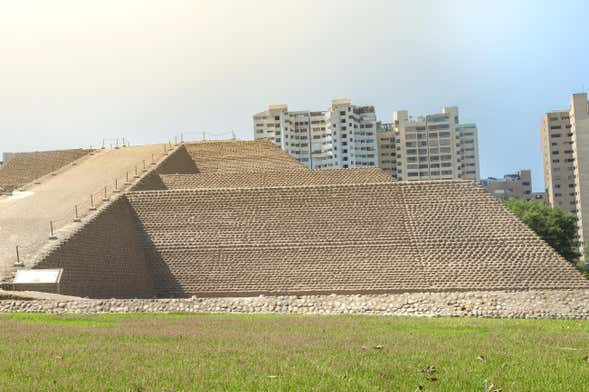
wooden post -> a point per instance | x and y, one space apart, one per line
92 207
76 218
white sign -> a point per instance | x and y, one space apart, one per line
38 276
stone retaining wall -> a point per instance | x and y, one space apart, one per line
555 304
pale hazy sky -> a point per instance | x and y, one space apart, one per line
73 72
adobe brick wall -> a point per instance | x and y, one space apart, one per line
232 163
274 178
179 161
369 238
241 232
240 156
26 167
104 258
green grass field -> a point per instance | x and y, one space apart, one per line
280 352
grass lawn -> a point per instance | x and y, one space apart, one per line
284 352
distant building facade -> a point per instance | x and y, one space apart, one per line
436 147
433 147
513 186
344 136
386 148
6 156
565 152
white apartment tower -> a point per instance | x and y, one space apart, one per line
435 147
432 147
565 152
340 137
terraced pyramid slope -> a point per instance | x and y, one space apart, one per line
240 156
274 178
251 220
103 258
25 167
385 237
25 217
221 162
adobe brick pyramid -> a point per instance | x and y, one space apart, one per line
242 218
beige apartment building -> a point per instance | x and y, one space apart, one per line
435 147
565 152
386 148
513 186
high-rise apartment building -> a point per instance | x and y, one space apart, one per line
469 151
303 134
353 131
386 148
435 146
565 152
340 137
557 154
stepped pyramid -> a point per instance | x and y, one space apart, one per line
242 218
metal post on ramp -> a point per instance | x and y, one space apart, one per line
92 207
52 235
76 216
18 262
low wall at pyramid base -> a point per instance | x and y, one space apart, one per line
537 304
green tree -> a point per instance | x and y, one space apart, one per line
558 228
